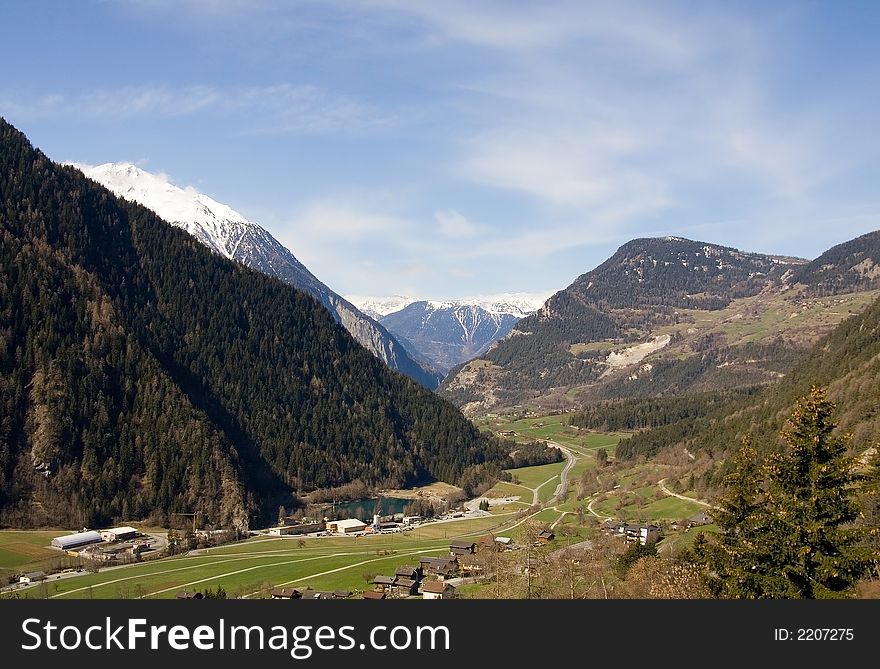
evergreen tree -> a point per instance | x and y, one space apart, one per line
786 525
736 563
809 486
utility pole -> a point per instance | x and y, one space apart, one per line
186 515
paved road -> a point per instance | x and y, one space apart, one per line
559 493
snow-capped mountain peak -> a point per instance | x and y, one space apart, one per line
377 307
515 304
213 223
448 332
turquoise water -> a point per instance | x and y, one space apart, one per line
365 509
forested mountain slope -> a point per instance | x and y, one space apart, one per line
140 372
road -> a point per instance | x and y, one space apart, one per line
662 485
559 493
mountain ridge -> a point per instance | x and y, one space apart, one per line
142 374
228 233
703 315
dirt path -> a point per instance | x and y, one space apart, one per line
666 491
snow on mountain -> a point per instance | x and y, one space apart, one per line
377 307
230 234
449 332
515 304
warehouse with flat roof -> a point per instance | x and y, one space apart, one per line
347 526
118 533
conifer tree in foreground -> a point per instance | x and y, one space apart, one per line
787 524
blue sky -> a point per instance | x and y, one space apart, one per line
462 148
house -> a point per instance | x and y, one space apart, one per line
383 583
462 548
347 526
77 540
503 543
644 534
411 520
119 533
373 594
188 594
507 433
341 594
32 577
437 590
545 536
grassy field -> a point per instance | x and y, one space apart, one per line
553 428
532 477
27 550
250 568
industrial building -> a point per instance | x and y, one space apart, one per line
77 540
347 526
118 533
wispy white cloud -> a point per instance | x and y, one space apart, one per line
276 109
454 224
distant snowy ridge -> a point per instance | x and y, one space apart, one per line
231 235
515 304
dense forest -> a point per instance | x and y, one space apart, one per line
140 373
847 267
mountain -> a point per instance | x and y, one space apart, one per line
143 374
452 331
846 362
377 307
665 316
846 268
232 236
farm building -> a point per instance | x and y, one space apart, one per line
189 594
701 518
372 594
545 535
118 533
32 577
440 566
71 541
299 528
347 526
437 590
462 548
285 593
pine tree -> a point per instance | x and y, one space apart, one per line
809 491
787 525
737 562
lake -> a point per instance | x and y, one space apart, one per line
364 509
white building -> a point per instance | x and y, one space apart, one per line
118 533
77 540
32 577
347 526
